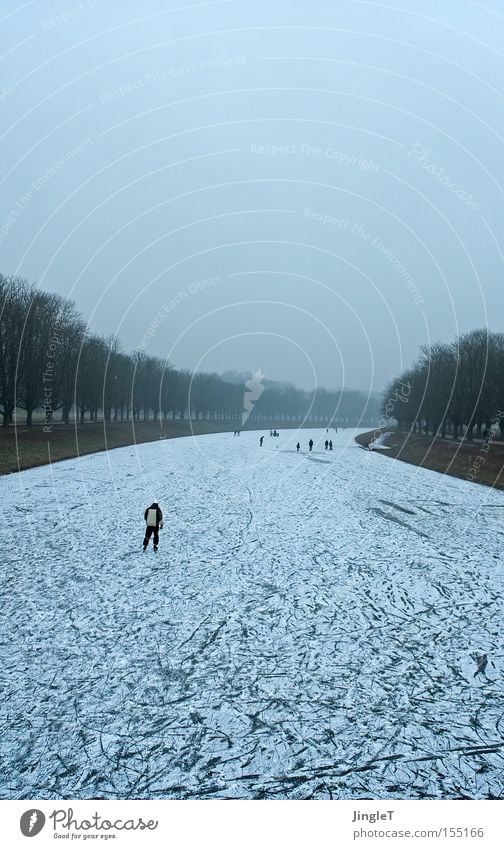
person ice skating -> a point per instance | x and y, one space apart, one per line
154 519
330 445
261 441
298 447
310 444
326 443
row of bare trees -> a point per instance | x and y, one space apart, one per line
50 362
455 388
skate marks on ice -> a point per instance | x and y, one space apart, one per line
285 643
397 507
391 518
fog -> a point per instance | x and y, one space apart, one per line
309 189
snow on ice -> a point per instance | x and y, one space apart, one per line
324 625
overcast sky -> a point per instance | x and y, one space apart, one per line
313 189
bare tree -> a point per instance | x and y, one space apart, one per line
13 295
38 353
90 376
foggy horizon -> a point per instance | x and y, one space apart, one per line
310 191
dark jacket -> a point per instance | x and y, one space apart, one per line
155 518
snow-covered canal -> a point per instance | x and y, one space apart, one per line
313 626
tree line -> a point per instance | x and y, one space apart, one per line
455 388
51 362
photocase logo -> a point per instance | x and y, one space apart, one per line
255 390
32 822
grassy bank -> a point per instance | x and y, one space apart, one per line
479 462
26 447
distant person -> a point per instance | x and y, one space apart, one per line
326 443
298 447
310 444
261 441
271 433
330 445
154 520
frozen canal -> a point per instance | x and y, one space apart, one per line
313 626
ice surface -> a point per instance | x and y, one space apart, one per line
313 626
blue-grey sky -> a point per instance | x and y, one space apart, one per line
310 189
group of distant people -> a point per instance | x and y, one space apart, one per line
272 433
328 443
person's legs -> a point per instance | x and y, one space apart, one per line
148 534
156 538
